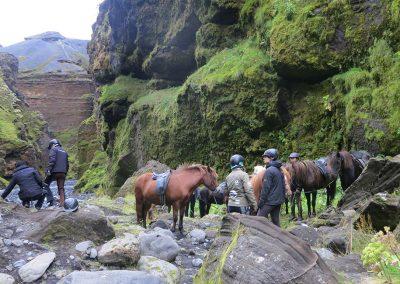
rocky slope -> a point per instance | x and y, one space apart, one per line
204 79
20 129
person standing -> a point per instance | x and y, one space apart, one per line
30 185
273 188
240 191
57 170
296 192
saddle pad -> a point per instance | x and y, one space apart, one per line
322 164
162 182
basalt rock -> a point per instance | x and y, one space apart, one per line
253 250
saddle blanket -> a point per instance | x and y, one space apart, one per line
162 182
322 164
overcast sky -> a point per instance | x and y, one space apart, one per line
22 18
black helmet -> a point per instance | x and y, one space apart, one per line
271 153
53 142
294 155
71 205
237 161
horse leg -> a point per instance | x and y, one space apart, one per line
175 217
308 197
314 201
208 207
293 200
145 208
187 210
330 194
181 215
192 205
139 209
202 207
299 206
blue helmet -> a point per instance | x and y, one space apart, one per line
237 161
271 153
294 155
53 142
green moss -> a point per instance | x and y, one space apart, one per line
93 177
123 88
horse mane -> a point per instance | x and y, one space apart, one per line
303 169
200 167
347 159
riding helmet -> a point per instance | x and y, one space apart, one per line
271 153
71 205
294 155
237 161
53 142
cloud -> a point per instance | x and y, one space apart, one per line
22 18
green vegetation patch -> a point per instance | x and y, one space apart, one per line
124 88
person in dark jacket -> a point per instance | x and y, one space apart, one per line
273 189
30 184
57 170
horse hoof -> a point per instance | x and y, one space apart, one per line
173 230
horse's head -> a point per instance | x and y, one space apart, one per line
210 178
334 162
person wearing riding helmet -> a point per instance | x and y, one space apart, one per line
273 188
296 192
57 170
240 191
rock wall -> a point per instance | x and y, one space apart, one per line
64 100
249 75
21 130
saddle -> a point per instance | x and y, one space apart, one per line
322 165
162 184
360 157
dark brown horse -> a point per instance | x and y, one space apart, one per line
307 175
182 183
353 163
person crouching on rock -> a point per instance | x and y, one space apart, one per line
241 195
30 185
57 170
273 188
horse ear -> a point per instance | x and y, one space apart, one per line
208 169
338 155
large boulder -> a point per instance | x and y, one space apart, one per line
383 210
6 279
110 276
380 175
122 251
160 268
253 250
335 238
306 233
61 227
159 245
34 269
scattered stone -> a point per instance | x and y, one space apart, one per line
7 242
9 267
71 257
211 234
82 247
113 219
19 263
60 273
198 235
160 268
5 250
34 269
197 262
325 254
6 233
120 200
26 242
164 232
192 252
6 279
93 253
120 251
159 224
110 276
17 242
159 245
306 233
338 245
349 266
335 239
19 230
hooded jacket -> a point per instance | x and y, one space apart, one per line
273 188
28 180
238 183
58 160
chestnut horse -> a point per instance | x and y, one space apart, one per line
307 175
257 180
182 183
353 163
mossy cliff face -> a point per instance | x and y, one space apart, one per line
310 78
20 129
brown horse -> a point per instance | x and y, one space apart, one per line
353 163
306 174
182 183
257 181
